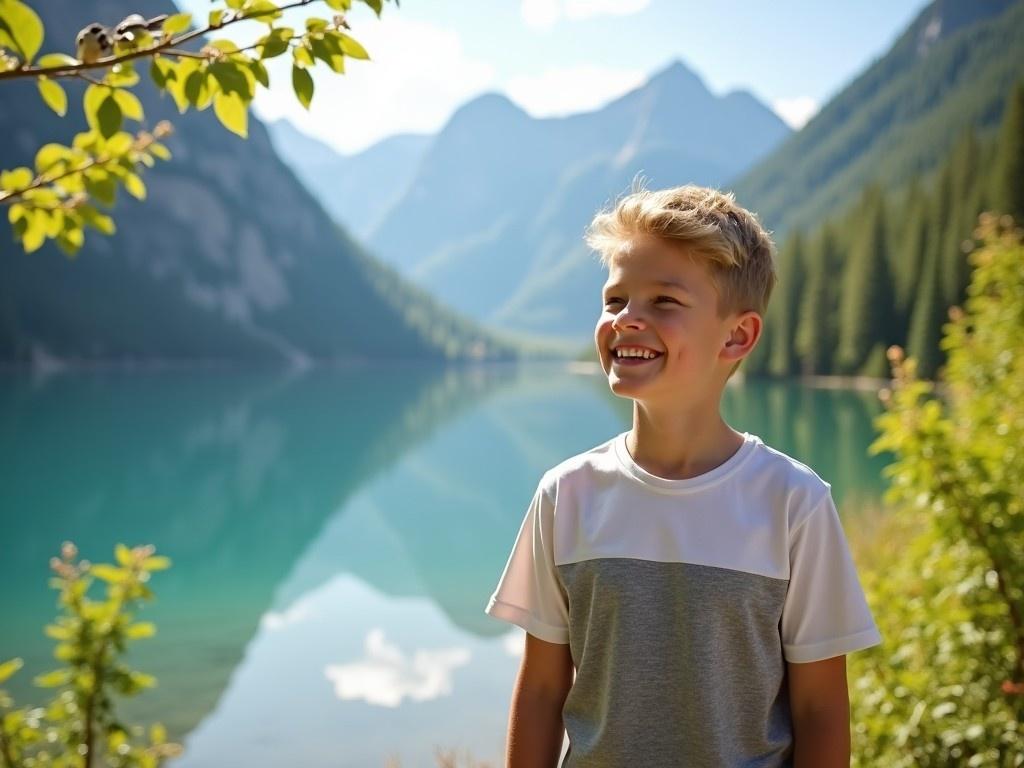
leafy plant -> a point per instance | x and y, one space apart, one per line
946 687
53 199
79 728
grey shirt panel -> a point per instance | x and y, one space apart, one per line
671 658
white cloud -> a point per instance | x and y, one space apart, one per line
384 676
571 89
545 13
795 111
418 75
293 615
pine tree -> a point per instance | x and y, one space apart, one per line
816 328
1008 178
912 252
867 311
955 270
791 277
926 323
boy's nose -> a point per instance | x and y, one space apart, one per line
627 319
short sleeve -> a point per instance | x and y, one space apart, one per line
825 613
529 593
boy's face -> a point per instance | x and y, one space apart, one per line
658 300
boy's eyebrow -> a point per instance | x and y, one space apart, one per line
673 284
661 283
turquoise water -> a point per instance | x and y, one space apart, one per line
335 537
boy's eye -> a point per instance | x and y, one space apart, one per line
662 299
613 300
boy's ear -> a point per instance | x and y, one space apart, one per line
746 330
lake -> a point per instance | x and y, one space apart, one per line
335 536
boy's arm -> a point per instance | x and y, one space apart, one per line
535 728
820 705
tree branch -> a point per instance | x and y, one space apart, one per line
164 47
141 142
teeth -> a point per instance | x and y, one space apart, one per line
635 352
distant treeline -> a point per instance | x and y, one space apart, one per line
887 271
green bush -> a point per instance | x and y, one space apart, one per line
79 728
946 686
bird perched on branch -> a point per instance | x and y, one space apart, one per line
96 41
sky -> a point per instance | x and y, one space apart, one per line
554 57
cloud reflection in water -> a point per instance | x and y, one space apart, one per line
385 676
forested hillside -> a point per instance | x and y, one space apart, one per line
948 72
889 269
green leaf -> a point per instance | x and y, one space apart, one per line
179 22
215 18
351 47
129 104
108 116
377 6
232 79
49 155
91 101
262 10
71 240
35 233
328 54
122 75
53 94
57 632
56 60
302 82
162 71
107 572
123 555
16 178
275 42
142 680
195 87
22 27
53 679
303 56
232 112
8 668
140 630
63 651
177 84
260 72
120 143
223 45
160 150
157 733
156 563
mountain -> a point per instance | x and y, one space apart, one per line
228 257
356 189
492 222
949 70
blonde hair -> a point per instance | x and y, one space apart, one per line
710 226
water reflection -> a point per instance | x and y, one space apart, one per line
229 473
335 537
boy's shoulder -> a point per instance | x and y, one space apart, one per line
761 471
580 466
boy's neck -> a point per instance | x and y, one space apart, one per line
680 445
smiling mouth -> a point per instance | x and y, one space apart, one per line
634 356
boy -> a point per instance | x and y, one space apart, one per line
696 581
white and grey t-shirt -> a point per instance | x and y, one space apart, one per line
681 601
